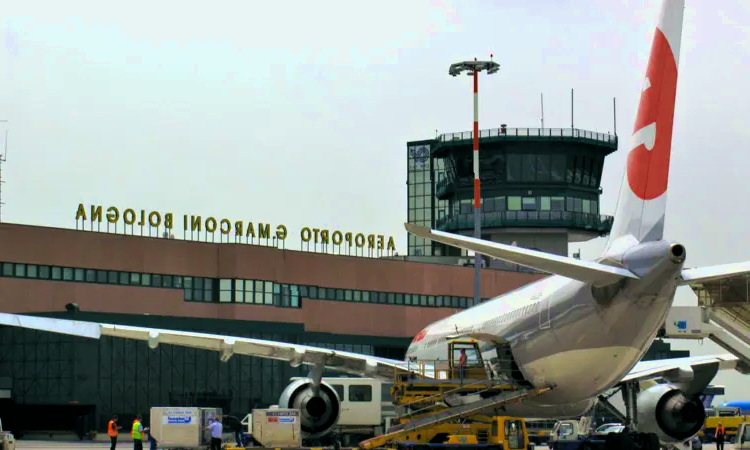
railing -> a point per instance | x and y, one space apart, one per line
528 219
573 133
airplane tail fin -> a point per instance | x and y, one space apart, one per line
643 193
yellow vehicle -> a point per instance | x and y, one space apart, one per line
419 384
502 432
731 425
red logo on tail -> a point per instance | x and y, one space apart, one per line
648 162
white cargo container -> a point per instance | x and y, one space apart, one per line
277 427
182 427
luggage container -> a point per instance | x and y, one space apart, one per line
179 427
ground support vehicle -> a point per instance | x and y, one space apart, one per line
438 404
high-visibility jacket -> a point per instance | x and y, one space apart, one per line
137 435
720 430
112 429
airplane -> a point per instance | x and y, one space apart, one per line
582 330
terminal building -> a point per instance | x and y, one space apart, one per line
347 291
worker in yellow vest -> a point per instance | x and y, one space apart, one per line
137 433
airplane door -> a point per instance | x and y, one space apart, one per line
544 306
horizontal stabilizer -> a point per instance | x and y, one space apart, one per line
585 271
714 273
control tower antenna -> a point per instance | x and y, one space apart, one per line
542 111
3 158
473 68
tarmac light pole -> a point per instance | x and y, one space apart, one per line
473 68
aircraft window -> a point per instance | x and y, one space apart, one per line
391 298
44 272
57 273
32 270
399 299
348 295
366 296
146 279
431 300
78 275
339 294
339 391
360 393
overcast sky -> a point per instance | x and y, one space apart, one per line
299 112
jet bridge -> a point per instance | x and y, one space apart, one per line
723 316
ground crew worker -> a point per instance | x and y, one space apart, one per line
720 434
462 360
216 429
112 432
137 433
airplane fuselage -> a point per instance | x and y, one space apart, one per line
578 338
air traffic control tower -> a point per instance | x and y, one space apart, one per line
540 188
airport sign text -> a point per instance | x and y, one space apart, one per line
239 228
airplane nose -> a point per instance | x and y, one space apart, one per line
677 253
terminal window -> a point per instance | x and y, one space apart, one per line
360 393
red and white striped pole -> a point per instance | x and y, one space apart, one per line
475 67
477 191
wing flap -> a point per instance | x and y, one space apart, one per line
714 273
586 271
347 362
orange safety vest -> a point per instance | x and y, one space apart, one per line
112 429
720 429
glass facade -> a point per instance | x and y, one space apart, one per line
227 291
420 195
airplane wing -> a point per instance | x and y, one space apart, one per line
226 346
714 273
586 271
694 372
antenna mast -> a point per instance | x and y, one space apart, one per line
542 111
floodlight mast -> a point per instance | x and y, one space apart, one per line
473 68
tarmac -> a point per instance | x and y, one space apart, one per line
89 445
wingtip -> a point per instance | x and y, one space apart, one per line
416 229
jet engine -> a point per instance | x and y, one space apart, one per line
318 413
665 410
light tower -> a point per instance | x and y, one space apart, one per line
473 68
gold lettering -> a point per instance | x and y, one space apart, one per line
128 216
154 218
391 244
348 239
113 215
96 213
316 231
360 242
184 222
196 223
381 241
324 236
168 221
142 222
281 232
264 231
211 225
250 230
305 234
81 213
238 227
228 226
370 241
337 237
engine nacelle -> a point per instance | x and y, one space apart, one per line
665 410
318 413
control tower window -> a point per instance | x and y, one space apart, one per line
558 168
514 203
514 168
543 168
529 203
529 168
